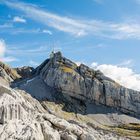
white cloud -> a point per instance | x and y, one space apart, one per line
17 51
19 19
3 51
94 64
61 23
127 63
123 75
47 32
6 25
2 48
9 59
77 27
16 31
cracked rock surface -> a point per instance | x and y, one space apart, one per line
86 84
62 101
23 117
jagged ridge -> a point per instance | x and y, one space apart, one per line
86 84
8 74
62 88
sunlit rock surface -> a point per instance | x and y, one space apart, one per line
62 101
86 84
24 118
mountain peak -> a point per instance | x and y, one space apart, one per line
60 88
86 84
56 54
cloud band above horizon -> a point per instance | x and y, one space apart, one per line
78 27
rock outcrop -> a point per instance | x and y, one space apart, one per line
25 72
62 101
23 117
88 85
8 74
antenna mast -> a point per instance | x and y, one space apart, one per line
52 51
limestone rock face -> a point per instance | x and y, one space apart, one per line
86 84
65 102
17 116
8 74
23 117
25 72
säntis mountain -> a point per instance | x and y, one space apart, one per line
62 101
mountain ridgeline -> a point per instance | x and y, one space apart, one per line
80 82
88 85
60 100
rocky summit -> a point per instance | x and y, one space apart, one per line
59 100
88 85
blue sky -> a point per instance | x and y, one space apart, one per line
103 31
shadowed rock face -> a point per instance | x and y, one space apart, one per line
88 85
25 72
